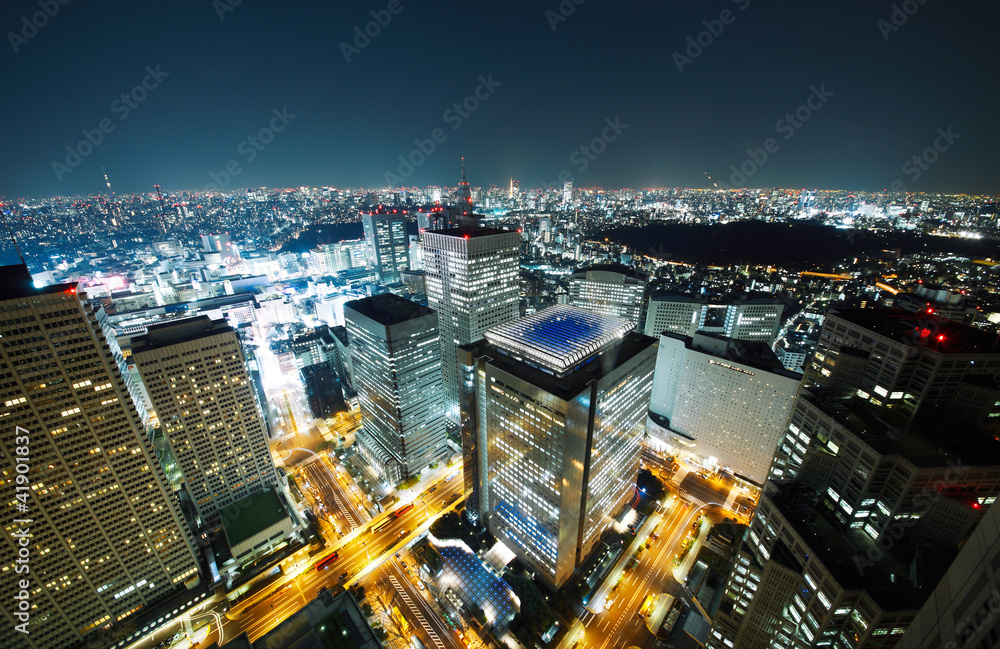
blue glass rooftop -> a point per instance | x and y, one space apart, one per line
478 586
560 337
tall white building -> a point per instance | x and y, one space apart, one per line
106 536
611 289
553 412
472 277
724 400
396 353
196 376
749 317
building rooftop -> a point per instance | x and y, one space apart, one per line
171 333
388 308
753 353
661 295
620 269
15 282
250 515
466 232
894 580
922 329
569 385
340 333
921 443
386 210
560 337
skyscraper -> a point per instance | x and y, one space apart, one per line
472 283
725 400
553 411
914 363
196 376
611 289
397 359
332 258
385 237
106 536
221 244
886 468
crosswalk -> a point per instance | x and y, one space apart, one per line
416 613
344 510
318 474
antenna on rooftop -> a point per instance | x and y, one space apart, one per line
13 239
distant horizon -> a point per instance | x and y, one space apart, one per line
476 186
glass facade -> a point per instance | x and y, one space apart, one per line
387 243
472 282
395 348
555 454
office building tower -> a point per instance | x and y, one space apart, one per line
726 401
385 237
416 253
105 536
314 347
344 363
413 281
611 289
916 364
553 411
472 283
807 198
316 358
871 494
963 609
793 357
567 195
396 352
323 391
747 317
196 376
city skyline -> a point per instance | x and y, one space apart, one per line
839 96
558 325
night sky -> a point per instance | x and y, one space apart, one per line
551 92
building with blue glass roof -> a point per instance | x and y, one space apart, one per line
553 411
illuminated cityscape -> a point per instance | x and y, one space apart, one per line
567 325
